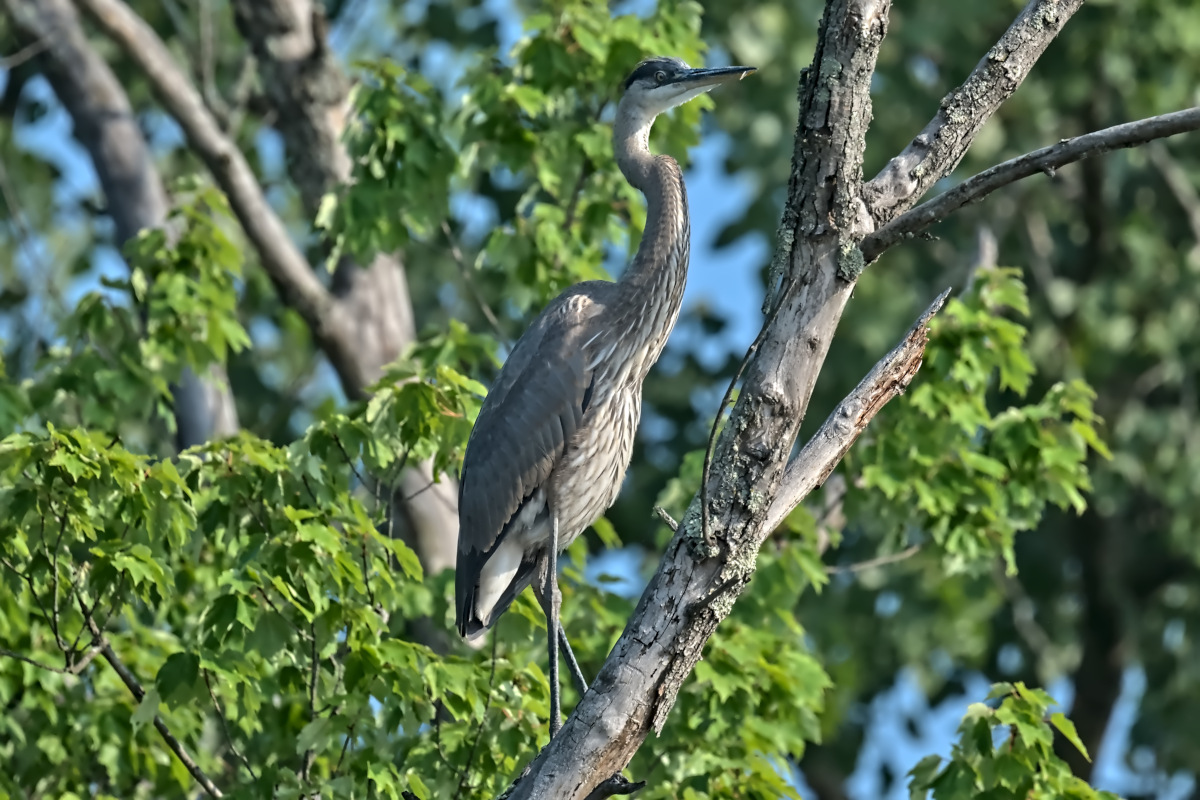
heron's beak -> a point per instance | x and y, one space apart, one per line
707 78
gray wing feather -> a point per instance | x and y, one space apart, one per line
527 419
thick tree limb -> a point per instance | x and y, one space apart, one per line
1045 160
816 264
693 590
310 95
937 149
825 450
279 255
108 129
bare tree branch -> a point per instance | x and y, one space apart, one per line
937 149
108 129
888 378
1046 160
872 563
27 52
225 725
280 257
694 587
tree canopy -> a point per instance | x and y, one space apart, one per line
243 349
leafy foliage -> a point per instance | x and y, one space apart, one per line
940 462
1020 765
254 586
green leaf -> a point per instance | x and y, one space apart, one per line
177 677
314 734
921 776
272 633
146 709
1067 728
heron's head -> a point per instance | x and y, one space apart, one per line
661 83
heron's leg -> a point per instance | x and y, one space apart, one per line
553 598
564 645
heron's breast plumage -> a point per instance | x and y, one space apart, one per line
588 478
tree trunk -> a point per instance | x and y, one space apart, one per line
106 127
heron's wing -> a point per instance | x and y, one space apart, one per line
532 411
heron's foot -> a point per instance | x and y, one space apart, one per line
614 786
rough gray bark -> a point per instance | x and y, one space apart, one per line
310 95
1046 160
938 148
106 127
889 377
829 212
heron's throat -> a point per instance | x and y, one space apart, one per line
651 288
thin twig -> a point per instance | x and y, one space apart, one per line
31 50
487 704
351 461
573 204
662 514
62 529
74 668
225 725
1024 614
1045 160
367 573
469 280
267 599
871 563
345 747
705 528
420 491
32 590
135 688
310 754
206 69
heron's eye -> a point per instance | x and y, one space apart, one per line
660 76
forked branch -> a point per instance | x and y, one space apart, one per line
937 149
280 257
825 450
1045 160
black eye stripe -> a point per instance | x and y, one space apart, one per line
648 68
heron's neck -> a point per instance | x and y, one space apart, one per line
651 288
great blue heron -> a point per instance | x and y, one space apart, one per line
555 434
